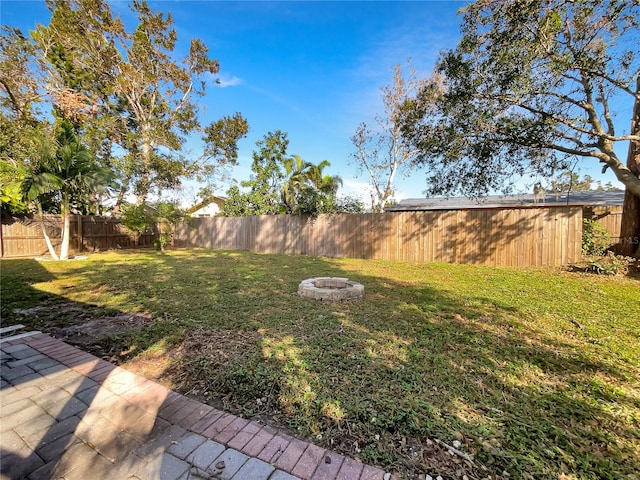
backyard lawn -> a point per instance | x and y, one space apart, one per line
533 373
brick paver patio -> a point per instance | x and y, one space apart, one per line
65 414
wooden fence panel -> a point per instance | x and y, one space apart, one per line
547 236
607 217
502 237
103 233
22 236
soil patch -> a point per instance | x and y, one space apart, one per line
81 325
48 311
89 330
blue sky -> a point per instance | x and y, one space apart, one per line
315 70
311 69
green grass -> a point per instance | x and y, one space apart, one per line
535 372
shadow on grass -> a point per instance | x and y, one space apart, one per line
61 411
413 362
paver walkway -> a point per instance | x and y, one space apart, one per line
65 414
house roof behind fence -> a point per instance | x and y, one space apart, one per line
575 199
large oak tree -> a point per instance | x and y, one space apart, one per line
19 125
532 84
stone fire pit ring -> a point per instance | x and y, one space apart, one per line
331 289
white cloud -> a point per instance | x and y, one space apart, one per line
224 81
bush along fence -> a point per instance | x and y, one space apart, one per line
22 236
601 228
523 237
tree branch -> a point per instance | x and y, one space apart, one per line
183 100
605 107
14 102
621 85
574 151
557 119
590 109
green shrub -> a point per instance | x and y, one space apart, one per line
137 218
158 218
595 238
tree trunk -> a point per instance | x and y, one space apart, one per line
144 182
161 230
143 186
47 240
66 229
630 226
123 190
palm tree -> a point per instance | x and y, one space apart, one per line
327 184
307 189
298 173
65 172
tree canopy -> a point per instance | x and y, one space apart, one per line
282 184
531 84
124 89
568 181
63 173
307 189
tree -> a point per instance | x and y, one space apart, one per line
18 123
281 184
298 176
531 83
72 59
570 181
307 190
158 94
64 172
221 145
345 204
265 184
324 183
11 201
630 222
124 89
323 193
384 152
159 217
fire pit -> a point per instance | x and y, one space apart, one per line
331 289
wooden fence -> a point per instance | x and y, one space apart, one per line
22 236
608 217
520 237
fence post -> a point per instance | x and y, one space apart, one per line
1 239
